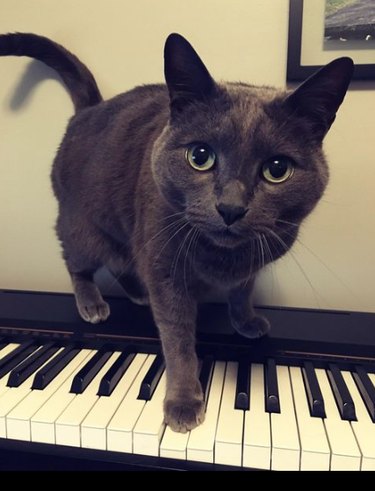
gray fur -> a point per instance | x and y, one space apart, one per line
129 200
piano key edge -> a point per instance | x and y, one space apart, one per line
76 456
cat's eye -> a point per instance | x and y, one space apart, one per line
200 156
278 169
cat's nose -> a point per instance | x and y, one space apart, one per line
231 213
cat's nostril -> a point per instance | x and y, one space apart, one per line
230 213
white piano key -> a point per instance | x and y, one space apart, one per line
228 441
18 420
285 441
8 349
43 421
5 351
345 454
372 377
150 426
363 428
94 426
67 426
4 380
201 442
257 428
13 396
175 445
120 428
315 451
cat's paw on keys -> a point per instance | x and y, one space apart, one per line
183 415
255 328
94 312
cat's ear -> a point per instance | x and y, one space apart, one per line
321 95
187 78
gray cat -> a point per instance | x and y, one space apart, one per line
184 190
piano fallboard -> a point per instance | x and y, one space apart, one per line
333 349
320 334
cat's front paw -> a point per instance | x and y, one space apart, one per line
255 328
93 311
182 415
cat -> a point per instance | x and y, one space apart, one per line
184 189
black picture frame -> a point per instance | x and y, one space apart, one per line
296 71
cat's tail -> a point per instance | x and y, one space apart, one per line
76 76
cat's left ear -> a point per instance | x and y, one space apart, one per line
321 95
187 78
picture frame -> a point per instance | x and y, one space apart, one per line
306 53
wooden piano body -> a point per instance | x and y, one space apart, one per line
299 338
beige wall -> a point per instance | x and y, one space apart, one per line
122 42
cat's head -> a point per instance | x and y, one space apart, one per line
244 161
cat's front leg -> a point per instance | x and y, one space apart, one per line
242 315
90 304
175 316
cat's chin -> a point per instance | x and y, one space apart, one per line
225 238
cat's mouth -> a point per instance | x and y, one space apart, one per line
225 237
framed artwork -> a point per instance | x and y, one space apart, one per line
322 30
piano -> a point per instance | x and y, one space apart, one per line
78 396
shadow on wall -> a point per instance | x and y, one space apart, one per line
35 73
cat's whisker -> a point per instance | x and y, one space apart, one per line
176 258
160 232
286 222
315 292
252 255
172 269
197 235
262 249
268 249
319 259
253 262
261 252
170 238
330 270
270 262
137 233
193 248
167 228
186 257
167 217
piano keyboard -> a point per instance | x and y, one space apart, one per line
258 415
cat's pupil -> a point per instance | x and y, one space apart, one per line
278 168
200 155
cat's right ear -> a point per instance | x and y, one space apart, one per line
320 96
187 78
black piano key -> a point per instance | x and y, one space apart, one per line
117 370
366 389
88 372
272 389
16 356
23 371
205 376
151 379
47 373
313 392
243 386
343 398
